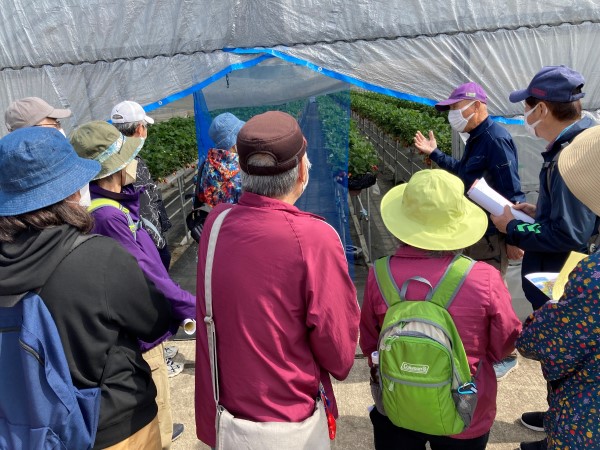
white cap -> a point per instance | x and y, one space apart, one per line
127 112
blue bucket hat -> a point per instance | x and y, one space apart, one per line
224 130
38 168
553 84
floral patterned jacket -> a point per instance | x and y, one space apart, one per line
564 337
220 179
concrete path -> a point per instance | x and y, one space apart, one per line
523 390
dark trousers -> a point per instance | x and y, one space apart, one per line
388 436
165 256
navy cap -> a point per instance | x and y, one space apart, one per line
554 84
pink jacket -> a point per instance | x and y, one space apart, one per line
482 312
285 311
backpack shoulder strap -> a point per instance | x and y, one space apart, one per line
452 280
145 223
98 203
387 285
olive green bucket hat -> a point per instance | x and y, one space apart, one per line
431 212
101 141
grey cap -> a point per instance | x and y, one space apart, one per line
30 111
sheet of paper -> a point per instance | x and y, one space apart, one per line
553 284
544 281
490 200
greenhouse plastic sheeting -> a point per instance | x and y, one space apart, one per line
89 54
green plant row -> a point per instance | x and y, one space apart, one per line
170 146
344 141
402 122
430 110
292 108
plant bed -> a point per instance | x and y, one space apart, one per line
352 157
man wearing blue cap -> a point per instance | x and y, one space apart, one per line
562 223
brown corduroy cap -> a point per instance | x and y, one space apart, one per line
273 133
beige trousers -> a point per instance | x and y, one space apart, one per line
155 358
147 438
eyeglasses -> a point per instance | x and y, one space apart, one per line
55 124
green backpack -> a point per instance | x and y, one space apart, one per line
424 374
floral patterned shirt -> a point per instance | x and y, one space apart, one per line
220 180
564 337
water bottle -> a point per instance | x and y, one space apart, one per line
375 388
375 358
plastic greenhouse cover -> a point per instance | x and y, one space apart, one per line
88 55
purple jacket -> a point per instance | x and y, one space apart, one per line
112 222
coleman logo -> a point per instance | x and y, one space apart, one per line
414 368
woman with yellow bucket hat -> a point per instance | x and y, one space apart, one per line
434 220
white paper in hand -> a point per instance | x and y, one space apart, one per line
482 194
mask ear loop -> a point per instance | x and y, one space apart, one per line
464 108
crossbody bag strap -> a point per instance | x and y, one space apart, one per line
209 319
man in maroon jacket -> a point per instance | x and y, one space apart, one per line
284 307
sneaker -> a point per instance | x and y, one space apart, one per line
537 445
177 431
173 368
506 366
170 351
533 420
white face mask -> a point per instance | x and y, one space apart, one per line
531 128
85 199
456 119
130 172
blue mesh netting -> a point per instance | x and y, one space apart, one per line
324 121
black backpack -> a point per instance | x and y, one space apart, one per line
196 218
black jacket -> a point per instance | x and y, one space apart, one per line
101 304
